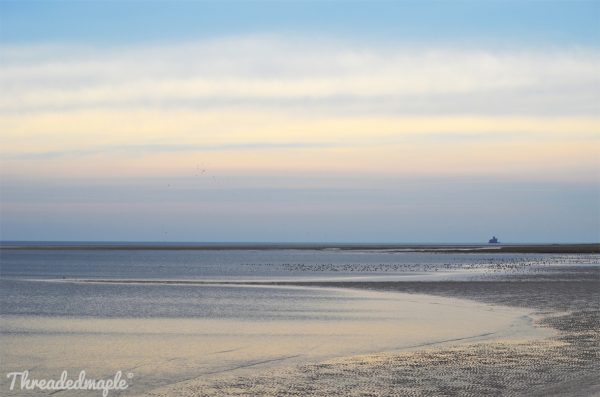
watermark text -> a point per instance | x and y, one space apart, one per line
65 383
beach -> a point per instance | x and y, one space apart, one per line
564 299
305 322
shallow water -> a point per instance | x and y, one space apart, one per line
52 320
253 264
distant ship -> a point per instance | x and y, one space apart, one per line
493 240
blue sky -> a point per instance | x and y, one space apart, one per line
300 121
124 22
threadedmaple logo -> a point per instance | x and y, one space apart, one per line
64 383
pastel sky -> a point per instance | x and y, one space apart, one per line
428 121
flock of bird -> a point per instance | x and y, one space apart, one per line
491 265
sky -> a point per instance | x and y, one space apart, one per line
340 121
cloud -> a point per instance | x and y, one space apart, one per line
166 148
271 104
278 72
108 130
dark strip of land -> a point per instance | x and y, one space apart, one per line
488 248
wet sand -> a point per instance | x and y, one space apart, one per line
554 298
356 322
564 298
